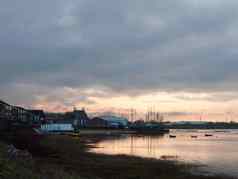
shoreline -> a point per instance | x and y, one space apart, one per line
104 132
71 155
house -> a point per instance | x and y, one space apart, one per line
97 122
38 117
78 118
21 115
18 115
115 121
5 110
53 117
5 113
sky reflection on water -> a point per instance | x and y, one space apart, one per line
219 152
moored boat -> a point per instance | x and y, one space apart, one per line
172 136
150 129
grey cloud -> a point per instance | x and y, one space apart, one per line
211 97
179 113
127 47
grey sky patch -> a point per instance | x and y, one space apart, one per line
209 97
126 47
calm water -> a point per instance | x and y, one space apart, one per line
219 153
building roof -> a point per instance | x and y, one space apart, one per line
81 114
115 119
38 112
4 103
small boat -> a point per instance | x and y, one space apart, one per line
221 131
172 136
154 130
194 136
208 135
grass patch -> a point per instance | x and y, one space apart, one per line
22 169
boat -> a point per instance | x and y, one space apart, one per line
208 135
172 136
194 136
150 129
221 131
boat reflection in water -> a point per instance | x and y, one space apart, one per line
217 151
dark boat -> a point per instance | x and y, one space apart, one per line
194 136
151 129
172 136
208 135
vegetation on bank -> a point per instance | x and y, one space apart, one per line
16 168
67 157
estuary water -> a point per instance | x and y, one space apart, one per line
217 153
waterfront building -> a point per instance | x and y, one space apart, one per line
54 128
38 116
16 115
77 118
115 121
97 122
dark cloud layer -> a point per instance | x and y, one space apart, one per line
126 46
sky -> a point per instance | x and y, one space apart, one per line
177 56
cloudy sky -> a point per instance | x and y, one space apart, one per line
179 56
